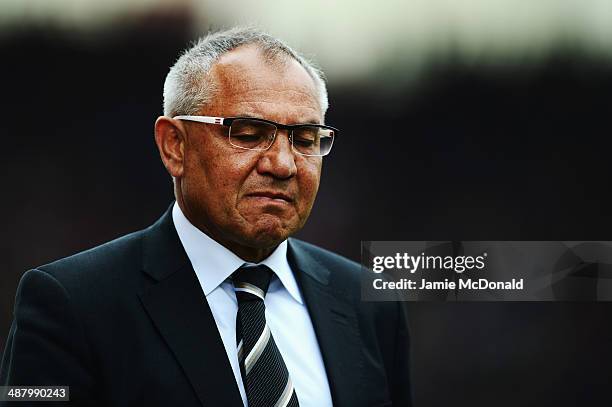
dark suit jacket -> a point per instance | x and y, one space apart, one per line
127 324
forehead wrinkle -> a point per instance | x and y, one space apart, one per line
253 109
265 92
241 72
236 78
290 103
301 102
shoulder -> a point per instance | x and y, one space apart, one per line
99 267
325 264
119 251
327 258
345 281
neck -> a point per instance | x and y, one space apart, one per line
247 253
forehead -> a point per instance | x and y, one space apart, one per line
250 84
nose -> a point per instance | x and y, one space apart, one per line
278 160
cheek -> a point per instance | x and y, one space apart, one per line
220 176
309 178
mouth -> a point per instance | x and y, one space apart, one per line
272 196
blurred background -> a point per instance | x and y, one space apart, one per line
461 120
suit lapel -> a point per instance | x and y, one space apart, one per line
335 323
179 309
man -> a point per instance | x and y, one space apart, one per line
214 304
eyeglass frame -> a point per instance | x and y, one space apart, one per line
227 121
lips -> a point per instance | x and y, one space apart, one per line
271 195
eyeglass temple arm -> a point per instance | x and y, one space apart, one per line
202 119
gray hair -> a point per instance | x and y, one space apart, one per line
188 87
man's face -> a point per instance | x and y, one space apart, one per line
249 199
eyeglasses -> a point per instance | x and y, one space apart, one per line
259 134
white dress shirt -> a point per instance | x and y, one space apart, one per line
286 313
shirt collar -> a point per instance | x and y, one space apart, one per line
213 263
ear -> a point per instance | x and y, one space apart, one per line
170 140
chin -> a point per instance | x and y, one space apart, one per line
269 231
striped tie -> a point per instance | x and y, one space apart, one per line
264 374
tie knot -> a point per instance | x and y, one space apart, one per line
251 282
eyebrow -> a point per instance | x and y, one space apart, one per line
252 116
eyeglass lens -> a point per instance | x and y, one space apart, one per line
253 134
